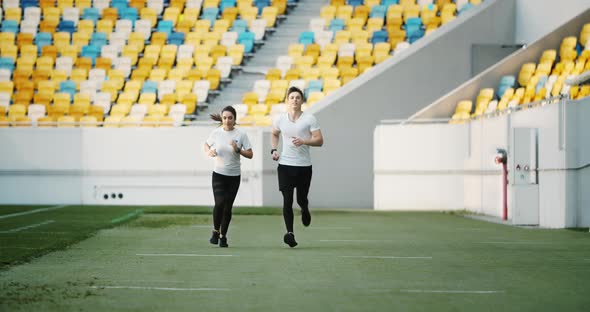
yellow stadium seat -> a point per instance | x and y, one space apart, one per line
120 110
313 97
295 50
112 121
250 98
88 121
16 110
171 14
362 12
348 73
237 53
147 99
344 12
190 100
105 26
157 110
331 84
150 121
374 24
4 121
292 74
342 36
328 13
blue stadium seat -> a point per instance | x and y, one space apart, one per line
240 26
210 14
247 39
505 83
68 86
337 24
129 14
91 14
378 11
387 3
541 83
176 38
120 5
379 36
306 38
165 26
149 86
261 4
98 39
42 39
10 26
7 63
466 7
226 4
29 3
414 29
66 26
90 51
355 3
314 85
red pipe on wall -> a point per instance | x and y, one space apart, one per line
502 158
504 191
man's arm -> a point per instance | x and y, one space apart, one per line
316 139
274 143
274 138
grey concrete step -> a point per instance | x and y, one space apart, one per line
275 44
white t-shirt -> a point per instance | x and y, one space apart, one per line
292 155
227 161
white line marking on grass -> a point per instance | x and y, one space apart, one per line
516 243
331 228
160 288
387 257
24 213
179 255
354 240
27 227
27 248
128 216
427 291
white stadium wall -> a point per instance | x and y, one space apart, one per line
468 163
536 18
147 166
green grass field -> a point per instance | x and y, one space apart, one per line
100 258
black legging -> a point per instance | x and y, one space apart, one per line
225 189
288 204
290 178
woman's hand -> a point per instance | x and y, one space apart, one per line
234 145
212 152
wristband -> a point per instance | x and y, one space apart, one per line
273 150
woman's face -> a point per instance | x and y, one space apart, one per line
294 99
228 120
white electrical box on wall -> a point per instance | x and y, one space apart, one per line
523 176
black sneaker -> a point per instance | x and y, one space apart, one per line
214 238
289 239
223 242
305 217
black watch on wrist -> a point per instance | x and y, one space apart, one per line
273 150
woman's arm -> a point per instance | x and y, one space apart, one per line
247 153
209 151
